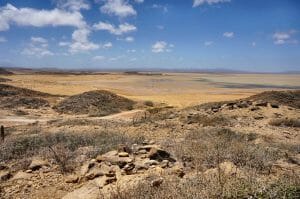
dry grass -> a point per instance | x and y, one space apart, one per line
208 120
290 122
26 146
205 149
201 187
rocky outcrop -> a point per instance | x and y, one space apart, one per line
127 165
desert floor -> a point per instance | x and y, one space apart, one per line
176 89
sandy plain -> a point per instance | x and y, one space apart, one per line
175 89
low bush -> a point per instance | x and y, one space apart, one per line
208 148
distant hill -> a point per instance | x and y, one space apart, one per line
5 72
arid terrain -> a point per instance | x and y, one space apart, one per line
149 135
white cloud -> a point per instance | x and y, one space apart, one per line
64 43
107 45
284 37
2 39
121 29
210 2
38 47
38 40
253 44
162 46
164 8
131 51
38 18
80 41
74 5
120 8
99 58
208 43
129 39
139 1
228 34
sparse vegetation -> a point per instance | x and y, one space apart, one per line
289 122
94 103
28 146
208 120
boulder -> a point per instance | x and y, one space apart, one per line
22 176
86 167
261 103
37 163
123 154
159 155
274 105
94 172
72 179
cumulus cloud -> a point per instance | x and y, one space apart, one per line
38 18
161 46
37 47
121 29
281 38
209 2
127 39
81 42
98 58
228 34
74 5
2 39
64 43
120 8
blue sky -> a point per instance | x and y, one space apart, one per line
251 35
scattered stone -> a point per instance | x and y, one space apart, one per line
274 105
159 154
149 163
22 176
242 104
261 103
72 179
36 164
93 173
164 163
3 167
255 108
259 117
5 175
123 154
86 167
157 182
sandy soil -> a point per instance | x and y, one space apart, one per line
176 89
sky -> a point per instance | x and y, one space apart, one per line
244 35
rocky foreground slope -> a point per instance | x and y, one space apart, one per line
247 148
